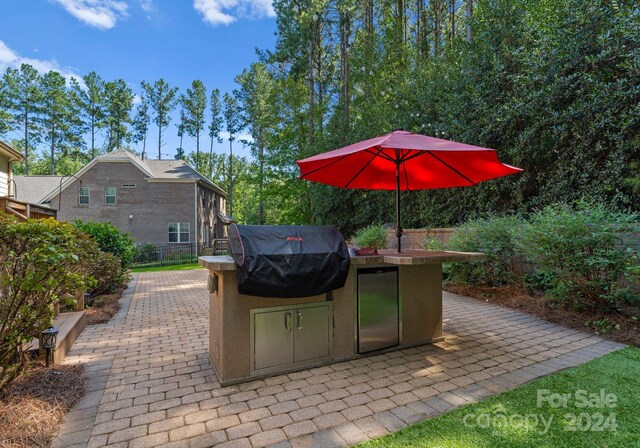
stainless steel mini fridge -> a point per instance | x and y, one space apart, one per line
378 308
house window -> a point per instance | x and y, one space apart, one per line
83 196
110 196
179 232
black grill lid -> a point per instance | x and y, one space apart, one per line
288 261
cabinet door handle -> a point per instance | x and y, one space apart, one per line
300 320
287 321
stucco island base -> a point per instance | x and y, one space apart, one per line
230 313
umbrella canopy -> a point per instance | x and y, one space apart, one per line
404 161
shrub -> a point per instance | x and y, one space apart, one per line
372 236
146 253
494 237
110 239
583 253
106 270
39 262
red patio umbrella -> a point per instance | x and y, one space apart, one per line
404 161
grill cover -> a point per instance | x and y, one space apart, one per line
288 261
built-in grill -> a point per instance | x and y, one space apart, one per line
288 261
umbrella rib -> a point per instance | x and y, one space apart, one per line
380 154
451 168
363 168
328 164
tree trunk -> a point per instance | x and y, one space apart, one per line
311 95
437 35
26 141
159 136
211 160
261 180
53 150
93 136
453 21
469 17
345 32
230 177
197 150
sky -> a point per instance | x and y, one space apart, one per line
136 40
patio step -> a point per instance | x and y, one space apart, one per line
69 326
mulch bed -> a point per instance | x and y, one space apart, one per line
103 307
515 297
35 404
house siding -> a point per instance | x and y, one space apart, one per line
209 203
4 176
152 204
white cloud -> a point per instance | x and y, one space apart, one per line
224 12
103 14
9 58
147 6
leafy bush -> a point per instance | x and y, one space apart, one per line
146 253
430 243
106 271
110 239
494 237
372 236
583 251
40 261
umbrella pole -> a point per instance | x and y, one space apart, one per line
398 228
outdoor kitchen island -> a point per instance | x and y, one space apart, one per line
390 301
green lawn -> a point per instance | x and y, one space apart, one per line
178 267
616 426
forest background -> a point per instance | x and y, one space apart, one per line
553 85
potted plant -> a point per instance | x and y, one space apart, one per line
370 239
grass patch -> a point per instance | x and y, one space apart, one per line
617 373
179 267
35 404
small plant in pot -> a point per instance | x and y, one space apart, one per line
370 239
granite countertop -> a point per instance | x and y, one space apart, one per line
386 256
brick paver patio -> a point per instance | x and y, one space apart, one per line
151 383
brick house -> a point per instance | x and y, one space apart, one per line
162 202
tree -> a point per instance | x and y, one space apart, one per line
5 116
256 99
91 101
141 124
118 105
181 127
215 126
162 100
60 118
194 104
233 126
23 100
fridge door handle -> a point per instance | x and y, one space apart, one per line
287 321
300 320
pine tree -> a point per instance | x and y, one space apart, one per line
162 100
194 103
141 124
233 127
92 105
61 123
215 126
23 100
256 97
118 105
